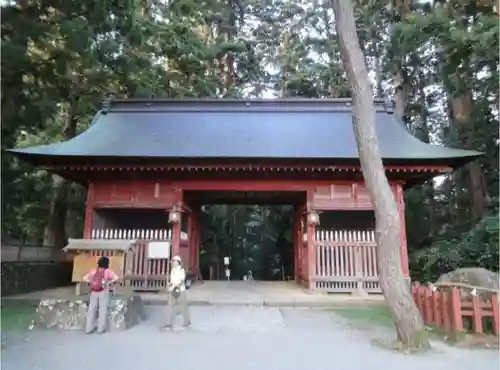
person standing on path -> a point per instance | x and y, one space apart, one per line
101 280
177 299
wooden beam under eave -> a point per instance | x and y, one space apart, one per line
247 168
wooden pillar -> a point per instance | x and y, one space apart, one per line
311 243
198 241
176 226
176 238
311 256
303 247
189 241
191 238
297 242
194 240
89 213
300 254
300 245
404 247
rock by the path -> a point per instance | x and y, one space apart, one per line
473 276
69 314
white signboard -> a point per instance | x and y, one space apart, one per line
226 261
159 250
228 273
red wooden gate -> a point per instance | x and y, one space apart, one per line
346 261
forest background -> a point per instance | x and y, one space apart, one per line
438 60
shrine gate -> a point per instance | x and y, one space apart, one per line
149 166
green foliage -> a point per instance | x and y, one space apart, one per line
60 59
444 45
478 247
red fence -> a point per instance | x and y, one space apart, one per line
447 310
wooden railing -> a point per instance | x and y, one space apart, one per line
445 309
141 273
158 234
346 261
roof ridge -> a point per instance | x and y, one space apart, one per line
236 105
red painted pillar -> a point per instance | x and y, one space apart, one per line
176 226
404 247
176 238
194 241
298 246
301 245
190 245
311 243
198 240
296 242
311 256
89 212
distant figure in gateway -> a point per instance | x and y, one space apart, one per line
177 299
101 281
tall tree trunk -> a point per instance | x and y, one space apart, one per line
422 132
283 81
335 89
228 59
379 90
401 89
460 93
409 324
55 231
462 116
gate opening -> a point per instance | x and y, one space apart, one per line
258 241
250 230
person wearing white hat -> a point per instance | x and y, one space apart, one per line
177 294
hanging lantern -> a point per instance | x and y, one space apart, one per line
313 218
174 215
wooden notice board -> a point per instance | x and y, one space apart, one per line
83 263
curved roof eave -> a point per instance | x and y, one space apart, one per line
269 131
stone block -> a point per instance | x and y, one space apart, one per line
472 277
69 314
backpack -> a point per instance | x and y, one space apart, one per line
96 284
187 283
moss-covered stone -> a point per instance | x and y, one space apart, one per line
475 277
69 314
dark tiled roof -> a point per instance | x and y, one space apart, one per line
239 129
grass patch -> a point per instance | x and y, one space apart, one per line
16 316
372 317
367 316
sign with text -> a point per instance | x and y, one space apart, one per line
159 250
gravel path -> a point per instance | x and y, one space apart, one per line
229 338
